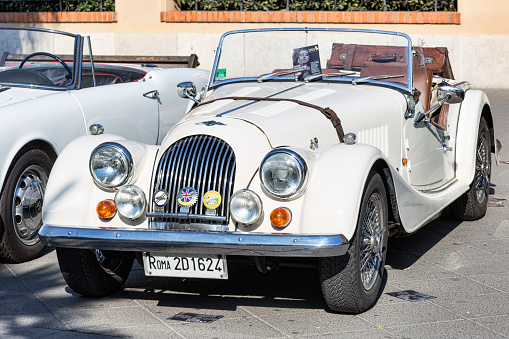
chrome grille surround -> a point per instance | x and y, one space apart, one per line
204 163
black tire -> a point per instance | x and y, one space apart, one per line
346 286
21 207
472 205
87 276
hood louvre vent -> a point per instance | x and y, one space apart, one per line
204 163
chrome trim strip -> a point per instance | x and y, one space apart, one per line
199 150
91 60
189 242
218 170
78 63
193 145
230 185
193 216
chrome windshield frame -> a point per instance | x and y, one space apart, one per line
77 58
408 88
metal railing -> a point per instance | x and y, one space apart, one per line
60 3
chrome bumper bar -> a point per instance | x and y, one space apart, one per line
190 242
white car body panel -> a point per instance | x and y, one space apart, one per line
340 196
44 106
283 166
471 108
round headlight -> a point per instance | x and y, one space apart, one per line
110 165
130 201
283 173
245 206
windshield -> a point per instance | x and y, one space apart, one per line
313 55
37 58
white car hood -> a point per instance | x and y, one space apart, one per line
16 95
290 124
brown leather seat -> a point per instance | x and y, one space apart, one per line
422 79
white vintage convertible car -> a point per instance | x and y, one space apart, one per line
309 146
51 92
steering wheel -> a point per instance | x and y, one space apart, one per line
69 76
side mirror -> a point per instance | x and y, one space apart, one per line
445 95
187 90
451 94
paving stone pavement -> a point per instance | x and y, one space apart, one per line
465 265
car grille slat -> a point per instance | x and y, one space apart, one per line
204 163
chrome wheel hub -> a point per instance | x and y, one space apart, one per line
372 240
482 170
27 204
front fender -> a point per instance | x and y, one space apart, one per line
468 128
71 195
333 196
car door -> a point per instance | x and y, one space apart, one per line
130 109
426 154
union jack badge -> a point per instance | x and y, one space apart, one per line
161 198
187 197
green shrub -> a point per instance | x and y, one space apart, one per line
54 6
317 5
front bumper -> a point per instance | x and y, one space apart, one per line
190 242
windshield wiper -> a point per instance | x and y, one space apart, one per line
311 77
280 73
376 77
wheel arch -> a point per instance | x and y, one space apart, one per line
40 144
487 115
382 167
475 106
332 199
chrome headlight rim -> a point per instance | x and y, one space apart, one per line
258 200
129 160
303 168
140 192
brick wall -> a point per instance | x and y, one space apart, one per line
322 17
58 17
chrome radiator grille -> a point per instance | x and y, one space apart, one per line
204 163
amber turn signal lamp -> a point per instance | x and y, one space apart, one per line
106 209
405 161
280 217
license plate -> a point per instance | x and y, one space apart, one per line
189 266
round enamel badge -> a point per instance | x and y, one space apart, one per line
161 198
212 199
187 197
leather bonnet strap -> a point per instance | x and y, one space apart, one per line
328 112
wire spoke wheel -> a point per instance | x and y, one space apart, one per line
372 239
482 169
351 283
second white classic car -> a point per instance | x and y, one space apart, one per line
52 91
316 158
